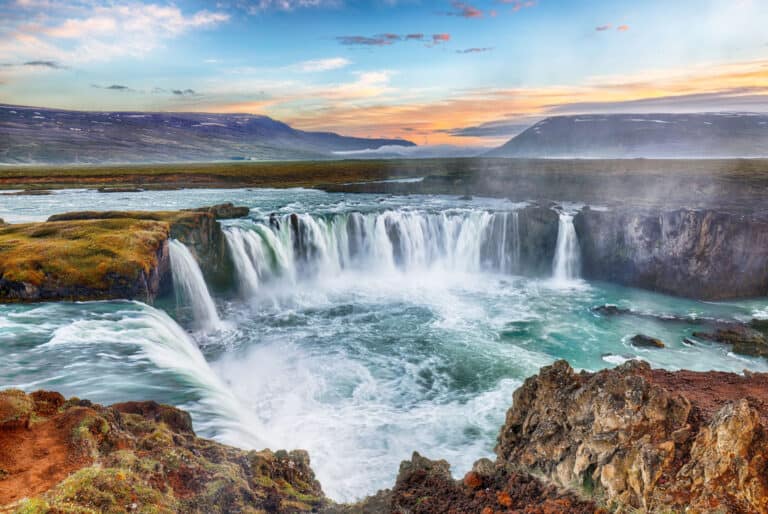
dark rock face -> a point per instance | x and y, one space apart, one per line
748 339
225 211
203 235
538 238
695 253
426 486
643 341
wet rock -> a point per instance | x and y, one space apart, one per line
643 341
538 229
743 339
610 310
30 192
425 486
224 211
705 253
274 221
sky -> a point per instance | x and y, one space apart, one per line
440 72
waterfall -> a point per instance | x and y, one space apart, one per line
567 262
293 246
190 287
218 411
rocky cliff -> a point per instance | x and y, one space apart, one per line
93 255
706 254
626 440
83 260
60 455
637 438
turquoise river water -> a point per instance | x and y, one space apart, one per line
379 326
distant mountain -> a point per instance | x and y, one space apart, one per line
51 136
642 135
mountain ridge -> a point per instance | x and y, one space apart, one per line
627 135
36 135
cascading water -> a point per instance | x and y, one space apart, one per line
395 345
190 287
298 245
567 262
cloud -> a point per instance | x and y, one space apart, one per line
608 26
519 4
474 50
259 6
489 115
388 39
369 84
501 128
183 92
316 65
464 10
113 87
97 30
364 40
45 64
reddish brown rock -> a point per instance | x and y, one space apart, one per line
644 439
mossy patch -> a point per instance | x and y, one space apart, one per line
33 506
109 491
83 253
16 408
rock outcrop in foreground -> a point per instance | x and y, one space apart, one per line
653 440
60 455
627 440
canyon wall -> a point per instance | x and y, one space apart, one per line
705 254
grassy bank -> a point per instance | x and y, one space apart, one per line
690 182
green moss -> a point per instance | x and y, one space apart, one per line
33 506
161 437
15 406
109 491
82 253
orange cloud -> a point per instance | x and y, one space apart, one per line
371 106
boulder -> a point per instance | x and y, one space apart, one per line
643 341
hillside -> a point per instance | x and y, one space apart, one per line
616 136
30 135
